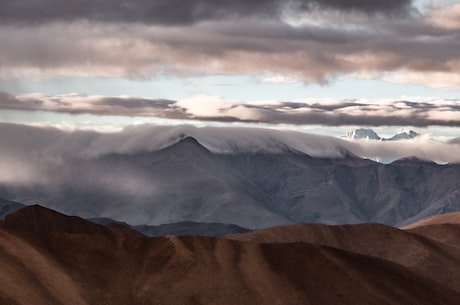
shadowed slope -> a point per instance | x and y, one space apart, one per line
84 265
446 233
424 256
39 219
443 228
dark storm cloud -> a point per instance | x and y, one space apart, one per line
175 11
208 108
361 5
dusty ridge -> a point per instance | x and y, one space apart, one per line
446 233
422 255
444 228
66 260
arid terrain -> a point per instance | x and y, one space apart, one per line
50 258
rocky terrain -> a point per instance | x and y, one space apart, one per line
186 182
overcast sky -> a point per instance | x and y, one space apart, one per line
330 63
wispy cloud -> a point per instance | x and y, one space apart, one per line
328 112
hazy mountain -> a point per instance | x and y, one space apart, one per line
187 182
7 207
404 135
180 228
191 229
455 141
55 259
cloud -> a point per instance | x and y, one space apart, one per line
327 112
447 17
78 103
48 156
429 79
316 46
309 41
280 79
176 11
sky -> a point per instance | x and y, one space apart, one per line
314 66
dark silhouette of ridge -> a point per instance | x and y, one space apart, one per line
187 143
38 219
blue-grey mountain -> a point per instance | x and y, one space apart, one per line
187 182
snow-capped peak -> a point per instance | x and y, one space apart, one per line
363 133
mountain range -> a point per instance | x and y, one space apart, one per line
51 258
186 182
369 134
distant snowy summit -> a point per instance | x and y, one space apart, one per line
404 135
369 134
363 133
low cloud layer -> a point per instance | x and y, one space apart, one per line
420 112
102 167
35 152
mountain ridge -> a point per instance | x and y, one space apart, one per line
370 134
63 267
187 182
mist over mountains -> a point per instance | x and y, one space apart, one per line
253 178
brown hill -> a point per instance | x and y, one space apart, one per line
61 260
446 233
39 219
422 255
444 228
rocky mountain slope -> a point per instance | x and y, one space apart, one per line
187 182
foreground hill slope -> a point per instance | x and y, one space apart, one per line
55 259
420 254
444 228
